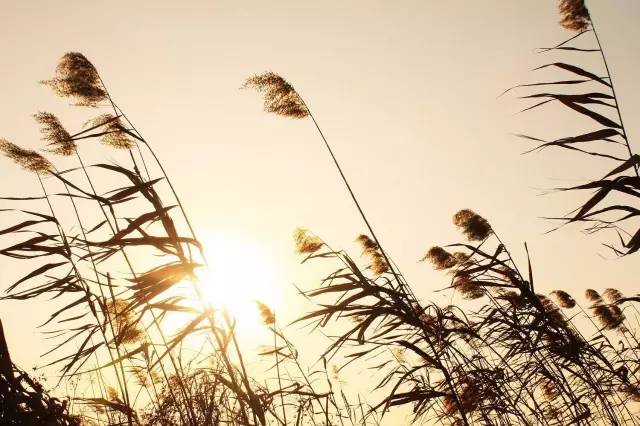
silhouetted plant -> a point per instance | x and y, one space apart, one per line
612 204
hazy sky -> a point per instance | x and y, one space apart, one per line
406 92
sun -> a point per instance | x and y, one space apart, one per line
241 271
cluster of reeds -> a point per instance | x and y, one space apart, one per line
112 243
24 401
590 94
513 356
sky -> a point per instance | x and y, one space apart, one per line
407 92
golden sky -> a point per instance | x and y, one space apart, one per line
405 91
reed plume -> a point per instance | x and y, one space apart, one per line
575 15
57 137
28 159
306 243
563 299
280 97
440 258
266 314
76 77
113 132
371 249
612 201
474 226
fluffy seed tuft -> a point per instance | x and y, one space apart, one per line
77 78
563 299
267 315
113 132
574 14
372 250
26 158
305 243
59 140
279 96
474 226
440 258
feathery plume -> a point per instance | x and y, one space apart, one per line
143 376
59 140
378 264
126 329
609 316
26 158
77 78
305 243
367 244
279 96
593 296
474 226
632 391
551 309
372 250
114 134
612 295
468 288
112 393
440 258
515 299
563 299
575 15
268 317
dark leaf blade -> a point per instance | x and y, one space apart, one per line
575 70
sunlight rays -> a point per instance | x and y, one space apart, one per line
240 272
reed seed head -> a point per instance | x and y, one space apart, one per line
367 244
514 298
593 296
76 77
372 250
280 97
378 264
551 309
467 287
474 226
440 258
632 392
306 243
612 295
267 315
563 299
141 376
59 140
26 158
609 316
126 328
112 393
114 132
574 14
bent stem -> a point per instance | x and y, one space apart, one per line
397 275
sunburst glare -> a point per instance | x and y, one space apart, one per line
241 271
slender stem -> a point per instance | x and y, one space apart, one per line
275 349
197 288
613 91
114 227
121 384
397 275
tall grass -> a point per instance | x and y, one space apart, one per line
112 245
